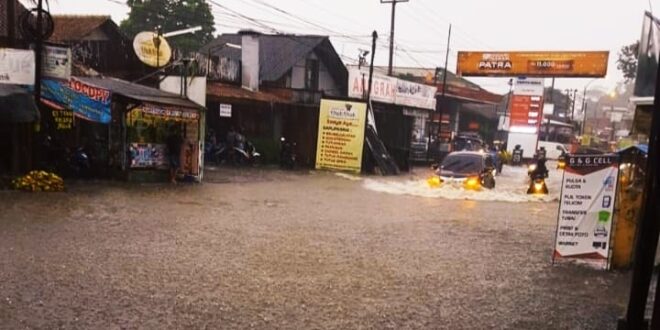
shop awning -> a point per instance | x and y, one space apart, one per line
140 92
17 105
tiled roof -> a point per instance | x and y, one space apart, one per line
76 27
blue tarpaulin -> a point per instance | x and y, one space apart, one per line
644 148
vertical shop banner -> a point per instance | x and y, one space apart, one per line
586 209
341 135
88 102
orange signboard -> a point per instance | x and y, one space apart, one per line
533 64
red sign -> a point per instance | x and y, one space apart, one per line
526 111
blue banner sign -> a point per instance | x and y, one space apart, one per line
87 101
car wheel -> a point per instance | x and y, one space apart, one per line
488 182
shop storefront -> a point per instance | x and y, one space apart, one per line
125 128
149 128
401 109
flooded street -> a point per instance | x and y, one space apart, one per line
295 250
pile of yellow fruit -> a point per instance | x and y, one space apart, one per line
39 181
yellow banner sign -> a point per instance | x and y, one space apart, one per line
341 135
533 64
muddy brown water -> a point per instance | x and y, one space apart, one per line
268 249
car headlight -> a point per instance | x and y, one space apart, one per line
538 186
472 183
434 181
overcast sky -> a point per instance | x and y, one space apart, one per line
421 26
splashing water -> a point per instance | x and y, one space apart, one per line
511 186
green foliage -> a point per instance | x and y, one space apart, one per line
627 61
171 15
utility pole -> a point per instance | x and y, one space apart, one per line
39 45
552 91
440 105
575 91
374 37
393 2
11 22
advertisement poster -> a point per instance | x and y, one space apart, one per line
148 155
57 62
341 135
17 66
87 102
63 119
533 64
586 208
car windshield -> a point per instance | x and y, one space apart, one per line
462 163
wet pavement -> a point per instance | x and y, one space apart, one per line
266 249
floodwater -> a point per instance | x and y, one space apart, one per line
511 186
266 249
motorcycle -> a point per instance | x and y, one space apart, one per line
537 175
65 161
287 154
79 163
243 153
247 154
561 161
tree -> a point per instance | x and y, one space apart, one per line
172 15
627 61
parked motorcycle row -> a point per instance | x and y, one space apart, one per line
238 151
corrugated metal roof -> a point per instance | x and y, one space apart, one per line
139 92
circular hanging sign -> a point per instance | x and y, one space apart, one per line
152 49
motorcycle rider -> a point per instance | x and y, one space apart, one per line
541 169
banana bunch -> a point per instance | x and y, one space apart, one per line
38 181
